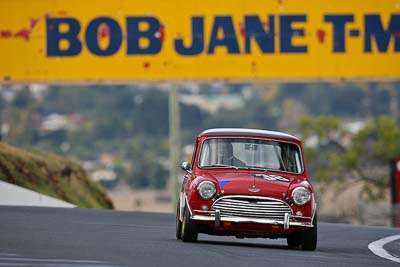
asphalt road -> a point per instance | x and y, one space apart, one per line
99 238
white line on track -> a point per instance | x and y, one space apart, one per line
8 264
377 248
11 259
14 264
48 260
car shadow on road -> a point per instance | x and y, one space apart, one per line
245 244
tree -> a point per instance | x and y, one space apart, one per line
342 156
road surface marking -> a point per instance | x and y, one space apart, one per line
8 264
377 248
10 259
49 260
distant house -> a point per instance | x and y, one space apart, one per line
55 122
103 175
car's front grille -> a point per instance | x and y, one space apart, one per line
252 207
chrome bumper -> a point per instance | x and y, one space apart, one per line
217 218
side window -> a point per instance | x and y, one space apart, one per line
194 153
291 158
298 162
205 154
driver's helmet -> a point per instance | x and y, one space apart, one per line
224 152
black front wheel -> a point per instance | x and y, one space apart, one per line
310 236
189 228
294 240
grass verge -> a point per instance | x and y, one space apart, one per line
51 175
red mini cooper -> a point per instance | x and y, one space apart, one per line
247 183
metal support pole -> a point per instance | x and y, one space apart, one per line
174 144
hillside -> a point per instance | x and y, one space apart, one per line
51 175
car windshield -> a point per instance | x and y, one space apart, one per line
251 153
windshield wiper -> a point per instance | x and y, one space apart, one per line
222 165
257 168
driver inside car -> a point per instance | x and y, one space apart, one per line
225 155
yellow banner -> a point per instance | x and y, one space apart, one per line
95 40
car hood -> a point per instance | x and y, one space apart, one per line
257 184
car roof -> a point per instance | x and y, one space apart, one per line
243 131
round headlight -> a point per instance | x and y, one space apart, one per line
301 196
206 190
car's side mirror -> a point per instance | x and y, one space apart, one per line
185 166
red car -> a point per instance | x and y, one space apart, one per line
247 183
